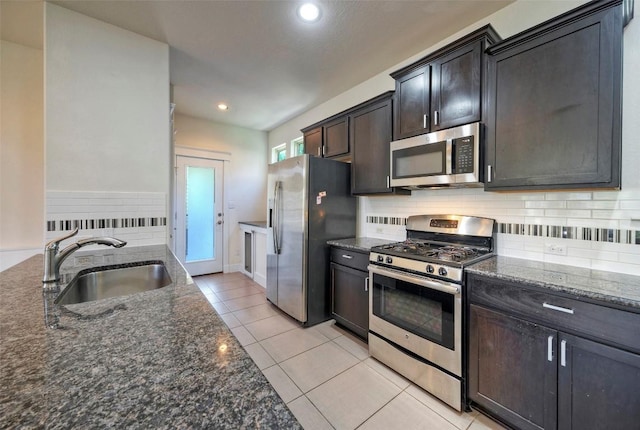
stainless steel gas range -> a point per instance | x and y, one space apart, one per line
416 300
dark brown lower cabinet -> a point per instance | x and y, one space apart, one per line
534 377
509 371
350 290
598 386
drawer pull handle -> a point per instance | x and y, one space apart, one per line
557 308
563 353
550 348
348 257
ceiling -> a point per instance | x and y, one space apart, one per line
266 64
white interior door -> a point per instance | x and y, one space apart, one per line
199 216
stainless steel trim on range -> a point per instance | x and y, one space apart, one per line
389 291
443 158
452 224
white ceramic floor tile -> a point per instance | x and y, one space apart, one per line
220 307
255 313
243 336
230 320
283 385
353 345
329 329
212 297
318 365
485 423
353 396
388 373
246 290
293 342
259 356
407 413
461 420
271 326
307 415
245 302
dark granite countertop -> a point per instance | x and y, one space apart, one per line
363 244
259 224
158 359
606 287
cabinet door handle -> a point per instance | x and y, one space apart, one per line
424 121
550 348
563 353
489 172
436 117
388 181
319 149
557 308
366 284
348 257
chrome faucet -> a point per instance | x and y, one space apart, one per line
53 259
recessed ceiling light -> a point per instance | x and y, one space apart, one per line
309 12
222 106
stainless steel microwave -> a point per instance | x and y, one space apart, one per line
443 158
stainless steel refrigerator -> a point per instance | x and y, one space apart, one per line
309 202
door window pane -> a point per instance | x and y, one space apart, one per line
199 223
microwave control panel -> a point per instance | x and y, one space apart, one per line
463 154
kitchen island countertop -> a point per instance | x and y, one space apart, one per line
606 287
158 359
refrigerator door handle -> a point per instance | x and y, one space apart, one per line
276 218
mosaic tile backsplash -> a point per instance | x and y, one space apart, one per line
593 229
140 218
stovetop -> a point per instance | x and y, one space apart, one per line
438 246
453 254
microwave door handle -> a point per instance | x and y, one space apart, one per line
449 157
423 282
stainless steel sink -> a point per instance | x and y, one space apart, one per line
107 282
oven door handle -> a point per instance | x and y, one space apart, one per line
423 282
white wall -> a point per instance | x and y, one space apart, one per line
21 153
245 187
107 111
617 212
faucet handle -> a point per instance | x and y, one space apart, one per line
53 244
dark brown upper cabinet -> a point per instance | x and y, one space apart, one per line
370 136
444 89
329 138
360 135
336 137
313 141
554 103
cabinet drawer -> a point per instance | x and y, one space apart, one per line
591 320
346 257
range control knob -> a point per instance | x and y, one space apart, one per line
389 260
430 268
380 258
442 271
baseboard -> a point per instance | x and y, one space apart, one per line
260 279
229 268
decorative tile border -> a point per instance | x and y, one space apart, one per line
92 224
595 234
386 220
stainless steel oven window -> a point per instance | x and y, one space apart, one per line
420 310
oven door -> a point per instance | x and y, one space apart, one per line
419 314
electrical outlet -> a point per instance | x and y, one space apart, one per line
555 249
